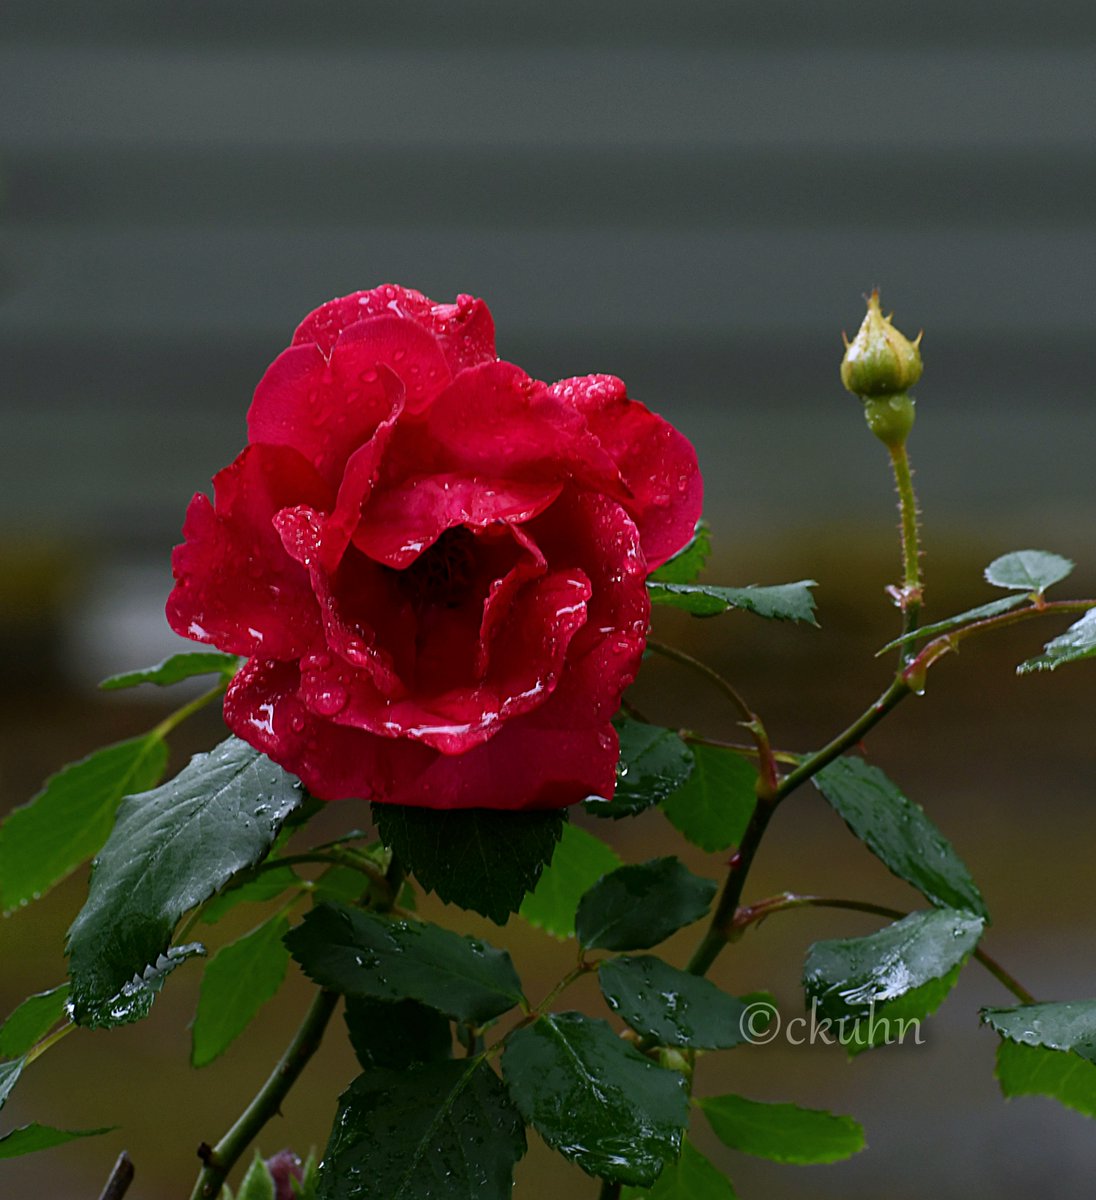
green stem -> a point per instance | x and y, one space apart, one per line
267 1101
912 590
610 1190
41 1047
755 913
751 722
933 651
173 720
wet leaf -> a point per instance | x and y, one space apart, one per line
175 669
783 1133
238 981
1028 570
1068 1026
691 1177
362 954
134 999
1024 1070
687 564
9 1076
32 1020
29 1138
595 1099
847 978
395 1035
67 822
170 850
897 831
713 808
639 906
654 762
447 1131
579 862
1077 643
783 602
478 859
671 1007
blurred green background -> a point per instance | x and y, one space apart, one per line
693 196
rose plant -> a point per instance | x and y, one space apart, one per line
428 580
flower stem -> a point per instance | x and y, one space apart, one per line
610 1190
173 720
911 593
751 722
267 1101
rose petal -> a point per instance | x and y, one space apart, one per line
594 534
465 331
494 421
402 521
656 461
525 766
237 587
323 408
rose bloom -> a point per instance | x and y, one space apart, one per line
433 563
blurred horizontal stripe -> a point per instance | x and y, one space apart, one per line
526 188
561 24
647 98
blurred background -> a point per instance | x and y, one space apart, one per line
694 196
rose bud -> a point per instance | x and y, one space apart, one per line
880 364
284 1167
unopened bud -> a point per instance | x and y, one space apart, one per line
880 361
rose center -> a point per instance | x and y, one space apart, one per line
445 573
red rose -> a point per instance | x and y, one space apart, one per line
434 564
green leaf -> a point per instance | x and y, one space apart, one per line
689 561
639 906
67 822
1028 570
783 1133
29 1138
239 980
653 763
714 807
32 1020
170 850
1069 1026
671 1007
847 978
476 858
9 1076
175 669
992 609
395 1035
362 954
267 885
897 831
134 999
446 1131
258 1183
1077 643
784 602
692 1177
894 1021
579 862
595 1099
1024 1070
